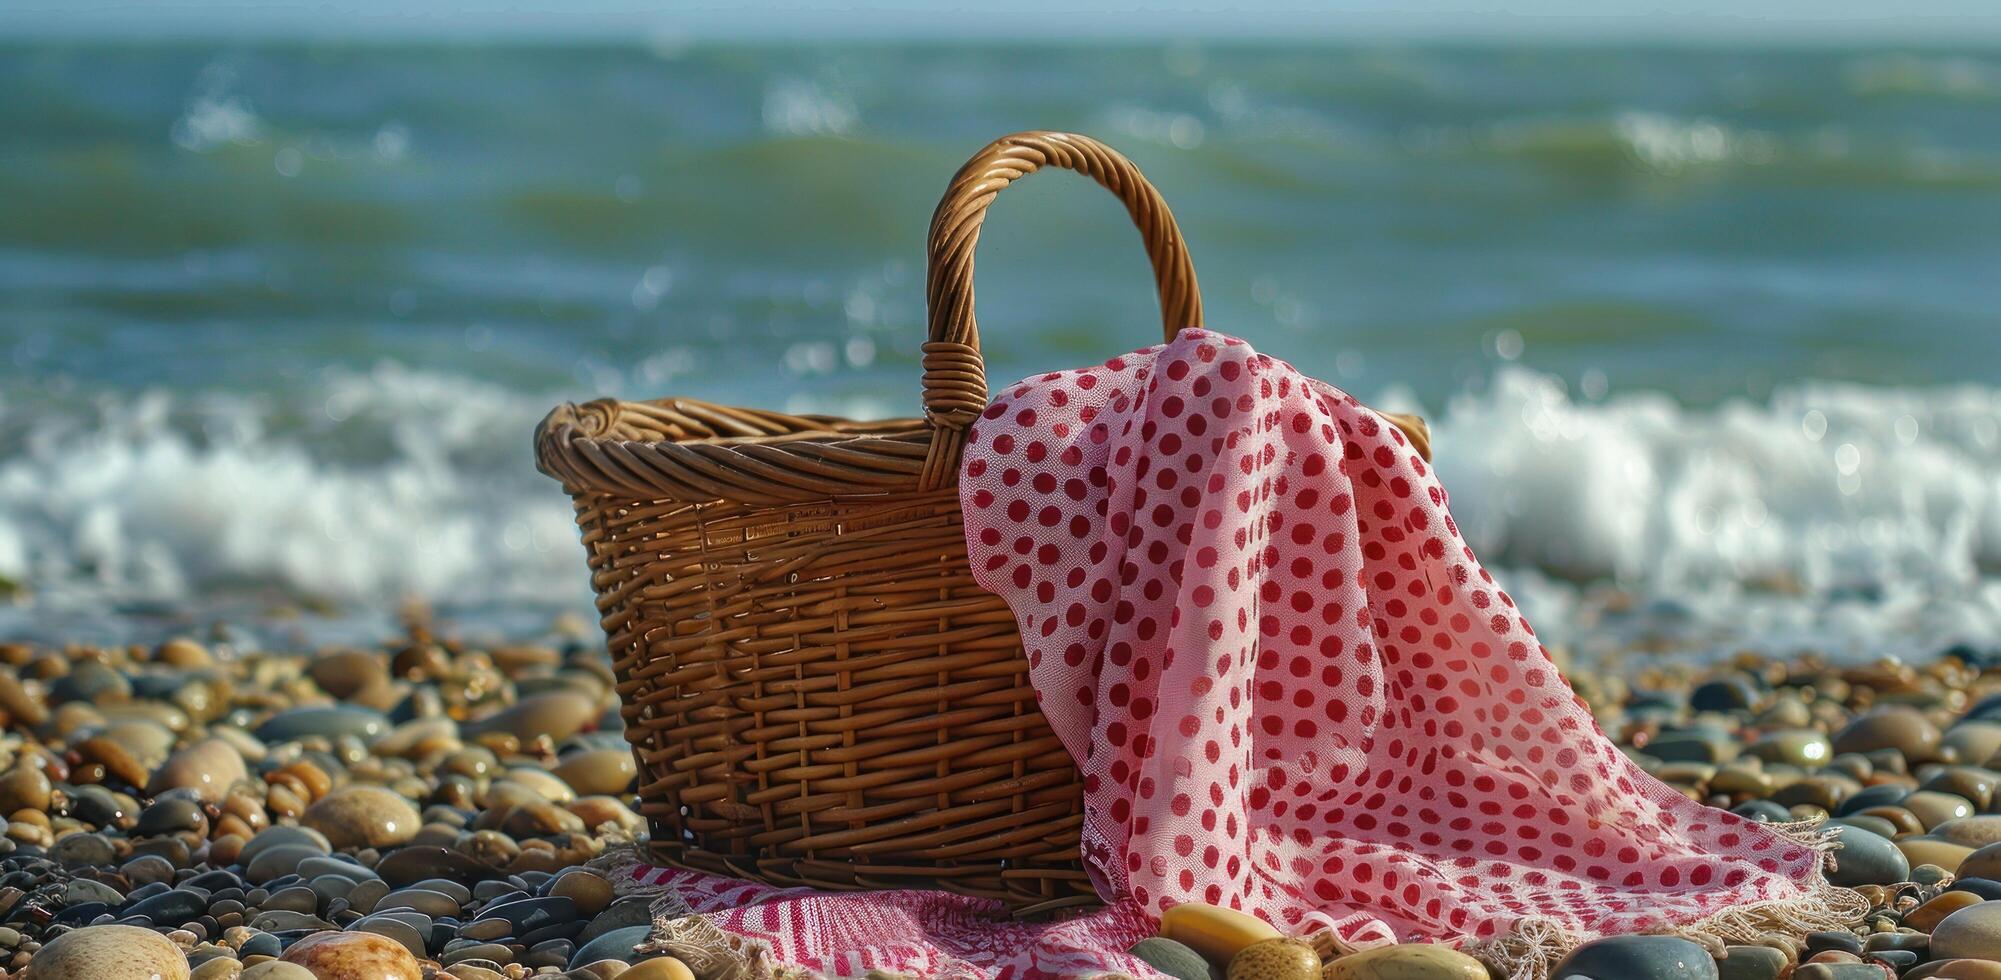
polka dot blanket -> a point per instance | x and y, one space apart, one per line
1292 690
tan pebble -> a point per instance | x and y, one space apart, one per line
209 767
663 968
598 811
1900 819
597 771
220 968
283 801
19 704
545 785
183 653
1274 959
357 955
1898 727
606 969
118 760
270 969
1927 916
590 891
1931 850
1934 808
1409 961
557 714
362 816
341 673
110 952
1834 956
466 971
1961 969
24 787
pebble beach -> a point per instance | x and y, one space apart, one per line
429 809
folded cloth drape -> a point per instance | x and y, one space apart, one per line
1292 691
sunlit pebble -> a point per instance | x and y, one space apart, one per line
1813 424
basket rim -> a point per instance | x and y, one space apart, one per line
695 451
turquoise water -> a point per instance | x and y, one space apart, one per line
278 317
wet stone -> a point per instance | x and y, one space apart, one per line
1752 963
618 944
326 721
171 907
1867 859
1638 958
78 851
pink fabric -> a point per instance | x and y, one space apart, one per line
920 933
1291 690
1290 686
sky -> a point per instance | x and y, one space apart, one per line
1943 21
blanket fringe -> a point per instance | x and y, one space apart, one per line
1533 948
677 930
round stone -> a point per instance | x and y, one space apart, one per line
363 816
590 891
1898 727
1866 859
1752 963
597 771
1930 850
280 836
354 954
78 851
659 968
110 952
277 862
24 787
1975 831
1802 747
208 767
558 714
1172 958
1405 961
276 970
1926 917
329 721
618 944
1933 808
1638 958
1957 970
1275 959
1973 932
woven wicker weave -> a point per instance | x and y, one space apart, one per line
816 691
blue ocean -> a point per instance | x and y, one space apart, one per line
1709 338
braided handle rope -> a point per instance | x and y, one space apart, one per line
955 379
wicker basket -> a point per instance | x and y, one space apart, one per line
816 691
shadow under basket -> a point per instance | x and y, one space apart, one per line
815 689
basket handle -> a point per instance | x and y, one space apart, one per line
955 378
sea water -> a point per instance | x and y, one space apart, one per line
1710 340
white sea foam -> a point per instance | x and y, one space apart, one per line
1828 514
1857 520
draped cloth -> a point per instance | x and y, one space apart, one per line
1292 690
